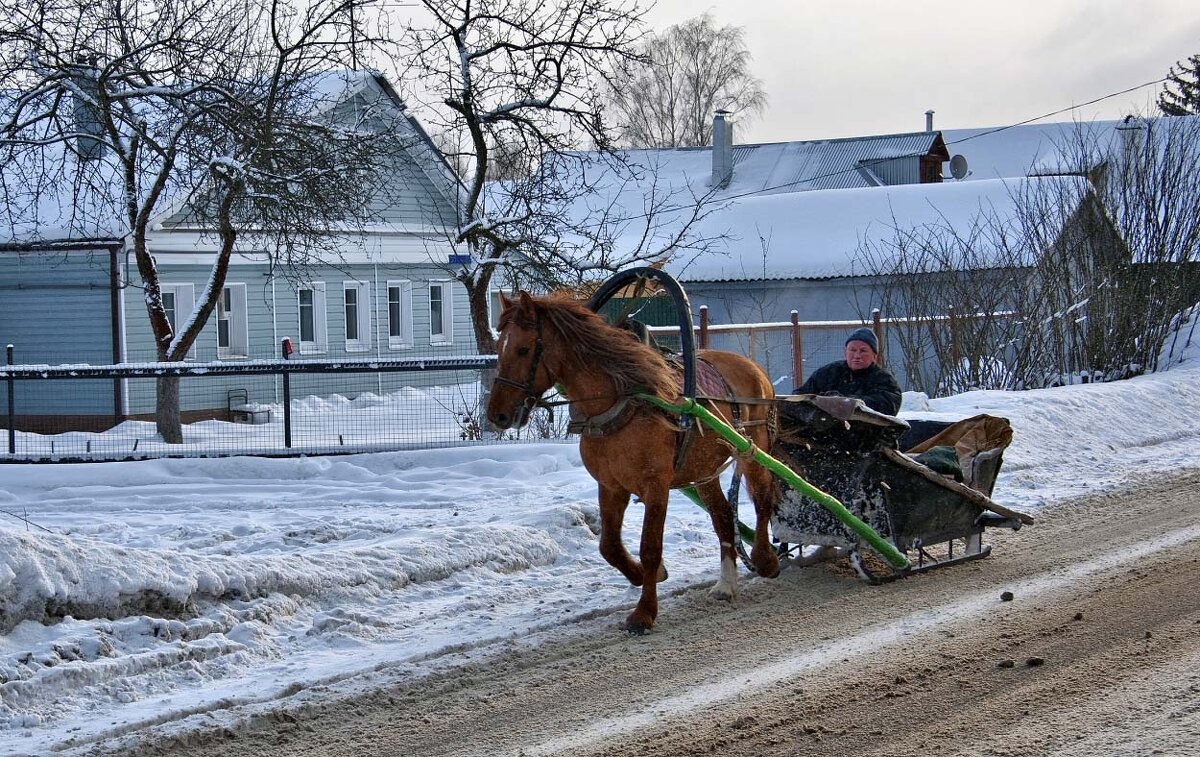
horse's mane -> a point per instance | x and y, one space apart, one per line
594 344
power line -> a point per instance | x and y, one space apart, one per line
1057 112
839 172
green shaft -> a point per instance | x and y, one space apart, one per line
742 445
744 531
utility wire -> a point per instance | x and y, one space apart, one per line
839 172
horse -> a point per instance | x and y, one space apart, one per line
630 447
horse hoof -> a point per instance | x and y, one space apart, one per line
636 629
663 575
771 572
722 593
768 567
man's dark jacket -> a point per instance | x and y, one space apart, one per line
873 385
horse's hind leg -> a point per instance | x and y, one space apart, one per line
613 503
763 491
722 520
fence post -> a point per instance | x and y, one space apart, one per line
286 350
12 407
797 353
877 327
955 356
704 327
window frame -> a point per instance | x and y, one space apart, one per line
184 296
404 338
319 344
362 315
494 308
445 310
237 319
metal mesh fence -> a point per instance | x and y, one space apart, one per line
322 407
260 407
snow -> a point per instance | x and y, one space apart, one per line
817 234
186 591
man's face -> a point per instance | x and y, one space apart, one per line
859 355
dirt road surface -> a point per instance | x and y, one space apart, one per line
1097 653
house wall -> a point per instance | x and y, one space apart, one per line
411 197
897 170
273 313
55 309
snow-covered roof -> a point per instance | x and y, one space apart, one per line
817 234
1032 149
67 209
785 166
808 234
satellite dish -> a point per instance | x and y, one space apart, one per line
958 167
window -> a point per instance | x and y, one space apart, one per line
399 304
311 301
357 300
178 302
233 339
441 313
495 308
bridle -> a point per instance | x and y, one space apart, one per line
532 398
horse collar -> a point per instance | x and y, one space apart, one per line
605 423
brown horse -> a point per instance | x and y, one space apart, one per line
628 446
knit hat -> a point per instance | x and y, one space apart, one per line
864 334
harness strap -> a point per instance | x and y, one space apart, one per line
605 423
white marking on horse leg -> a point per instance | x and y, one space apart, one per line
726 587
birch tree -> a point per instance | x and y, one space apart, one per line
666 98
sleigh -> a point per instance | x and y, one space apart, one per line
893 498
931 502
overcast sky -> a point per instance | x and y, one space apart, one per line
856 67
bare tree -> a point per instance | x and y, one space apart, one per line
691 70
515 86
204 108
1095 268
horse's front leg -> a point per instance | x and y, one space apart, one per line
613 503
722 519
643 616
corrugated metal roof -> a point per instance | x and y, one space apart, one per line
828 163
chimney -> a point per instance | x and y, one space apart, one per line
85 109
722 149
1131 130
929 120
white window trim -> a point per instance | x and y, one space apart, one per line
239 328
185 303
494 307
404 340
447 335
363 342
320 341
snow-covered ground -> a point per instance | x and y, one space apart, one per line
211 583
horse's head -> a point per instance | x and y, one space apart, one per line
521 374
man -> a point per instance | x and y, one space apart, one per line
859 375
